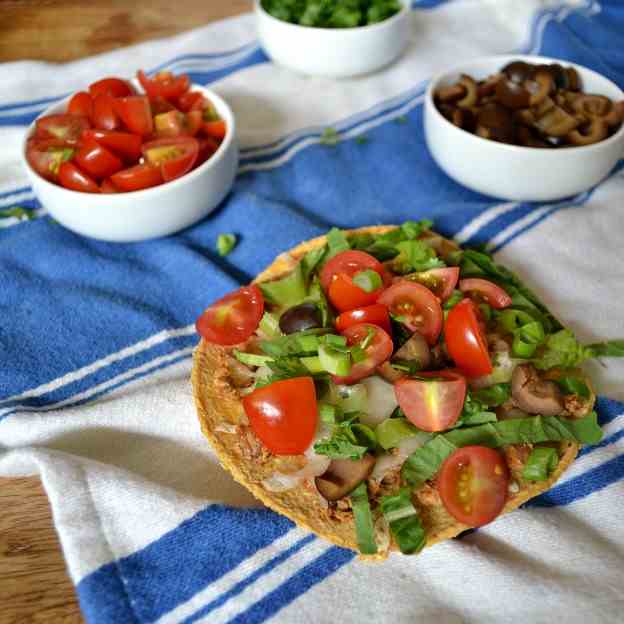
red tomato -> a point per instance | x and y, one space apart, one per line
284 415
45 156
193 122
473 484
207 147
72 178
188 100
433 403
136 114
137 178
416 307
108 187
164 84
377 352
465 341
345 295
115 87
160 105
441 281
97 161
123 143
63 127
376 314
232 319
491 292
215 129
104 115
170 124
81 104
175 156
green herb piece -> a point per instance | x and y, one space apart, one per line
574 385
330 137
311 261
413 229
286 292
252 359
474 412
331 340
334 361
521 349
336 242
540 463
225 243
18 212
317 296
361 139
312 364
368 280
453 300
611 348
283 368
416 255
300 343
349 440
511 320
404 522
364 527
425 462
392 431
327 413
269 325
493 396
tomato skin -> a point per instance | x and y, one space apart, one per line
104 115
348 262
207 147
72 178
483 491
164 84
170 124
81 104
137 178
187 100
122 143
233 318
115 87
62 127
377 352
159 105
108 187
465 341
216 129
97 161
441 282
418 308
432 405
136 114
46 155
493 294
284 415
376 314
345 295
192 122
175 156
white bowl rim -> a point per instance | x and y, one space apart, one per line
111 198
503 58
406 8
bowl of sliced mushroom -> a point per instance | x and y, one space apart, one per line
525 128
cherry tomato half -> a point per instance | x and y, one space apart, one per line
378 351
207 147
216 129
122 143
160 105
416 307
137 178
284 415
175 156
108 187
377 314
434 401
104 115
64 127
233 318
46 155
164 84
97 161
72 178
116 87
81 104
441 281
473 484
136 114
491 292
187 100
465 340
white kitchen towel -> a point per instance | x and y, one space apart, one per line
96 339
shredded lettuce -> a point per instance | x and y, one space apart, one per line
493 396
392 431
474 412
416 255
336 242
364 527
349 440
404 522
288 291
540 463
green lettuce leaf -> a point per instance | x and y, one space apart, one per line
349 440
416 255
540 463
404 522
364 527
288 291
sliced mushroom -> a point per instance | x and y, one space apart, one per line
616 115
533 394
343 476
472 92
415 349
540 86
450 93
525 137
592 105
512 95
524 116
518 71
596 131
545 106
559 75
495 122
488 87
574 80
556 122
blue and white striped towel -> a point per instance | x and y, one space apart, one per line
96 340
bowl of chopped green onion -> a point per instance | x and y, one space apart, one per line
331 38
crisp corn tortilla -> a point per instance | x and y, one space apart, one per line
220 409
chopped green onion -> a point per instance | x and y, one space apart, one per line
512 319
486 311
453 300
357 354
404 522
225 243
541 462
330 137
522 349
313 364
332 340
370 336
252 359
308 342
364 528
327 413
288 291
367 280
334 361
269 325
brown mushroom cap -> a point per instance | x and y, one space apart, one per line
488 87
495 122
596 131
415 348
559 75
518 71
539 86
512 95
556 122
472 92
535 395
574 80
343 476
450 93
592 105
525 137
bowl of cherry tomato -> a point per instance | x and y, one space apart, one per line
129 160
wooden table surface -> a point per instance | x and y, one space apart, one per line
34 585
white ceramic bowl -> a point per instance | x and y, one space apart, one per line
514 172
333 52
149 213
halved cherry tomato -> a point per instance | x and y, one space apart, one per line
378 351
160 105
136 114
233 318
123 143
215 129
465 340
416 307
169 124
72 178
376 314
64 127
108 187
441 281
187 100
491 292
137 178
96 160
207 147
104 115
434 400
175 156
164 84
116 87
473 484
81 104
284 415
193 122
46 155
345 295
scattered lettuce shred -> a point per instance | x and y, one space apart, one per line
540 463
404 523
364 527
349 440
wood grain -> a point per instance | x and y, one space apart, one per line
34 585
